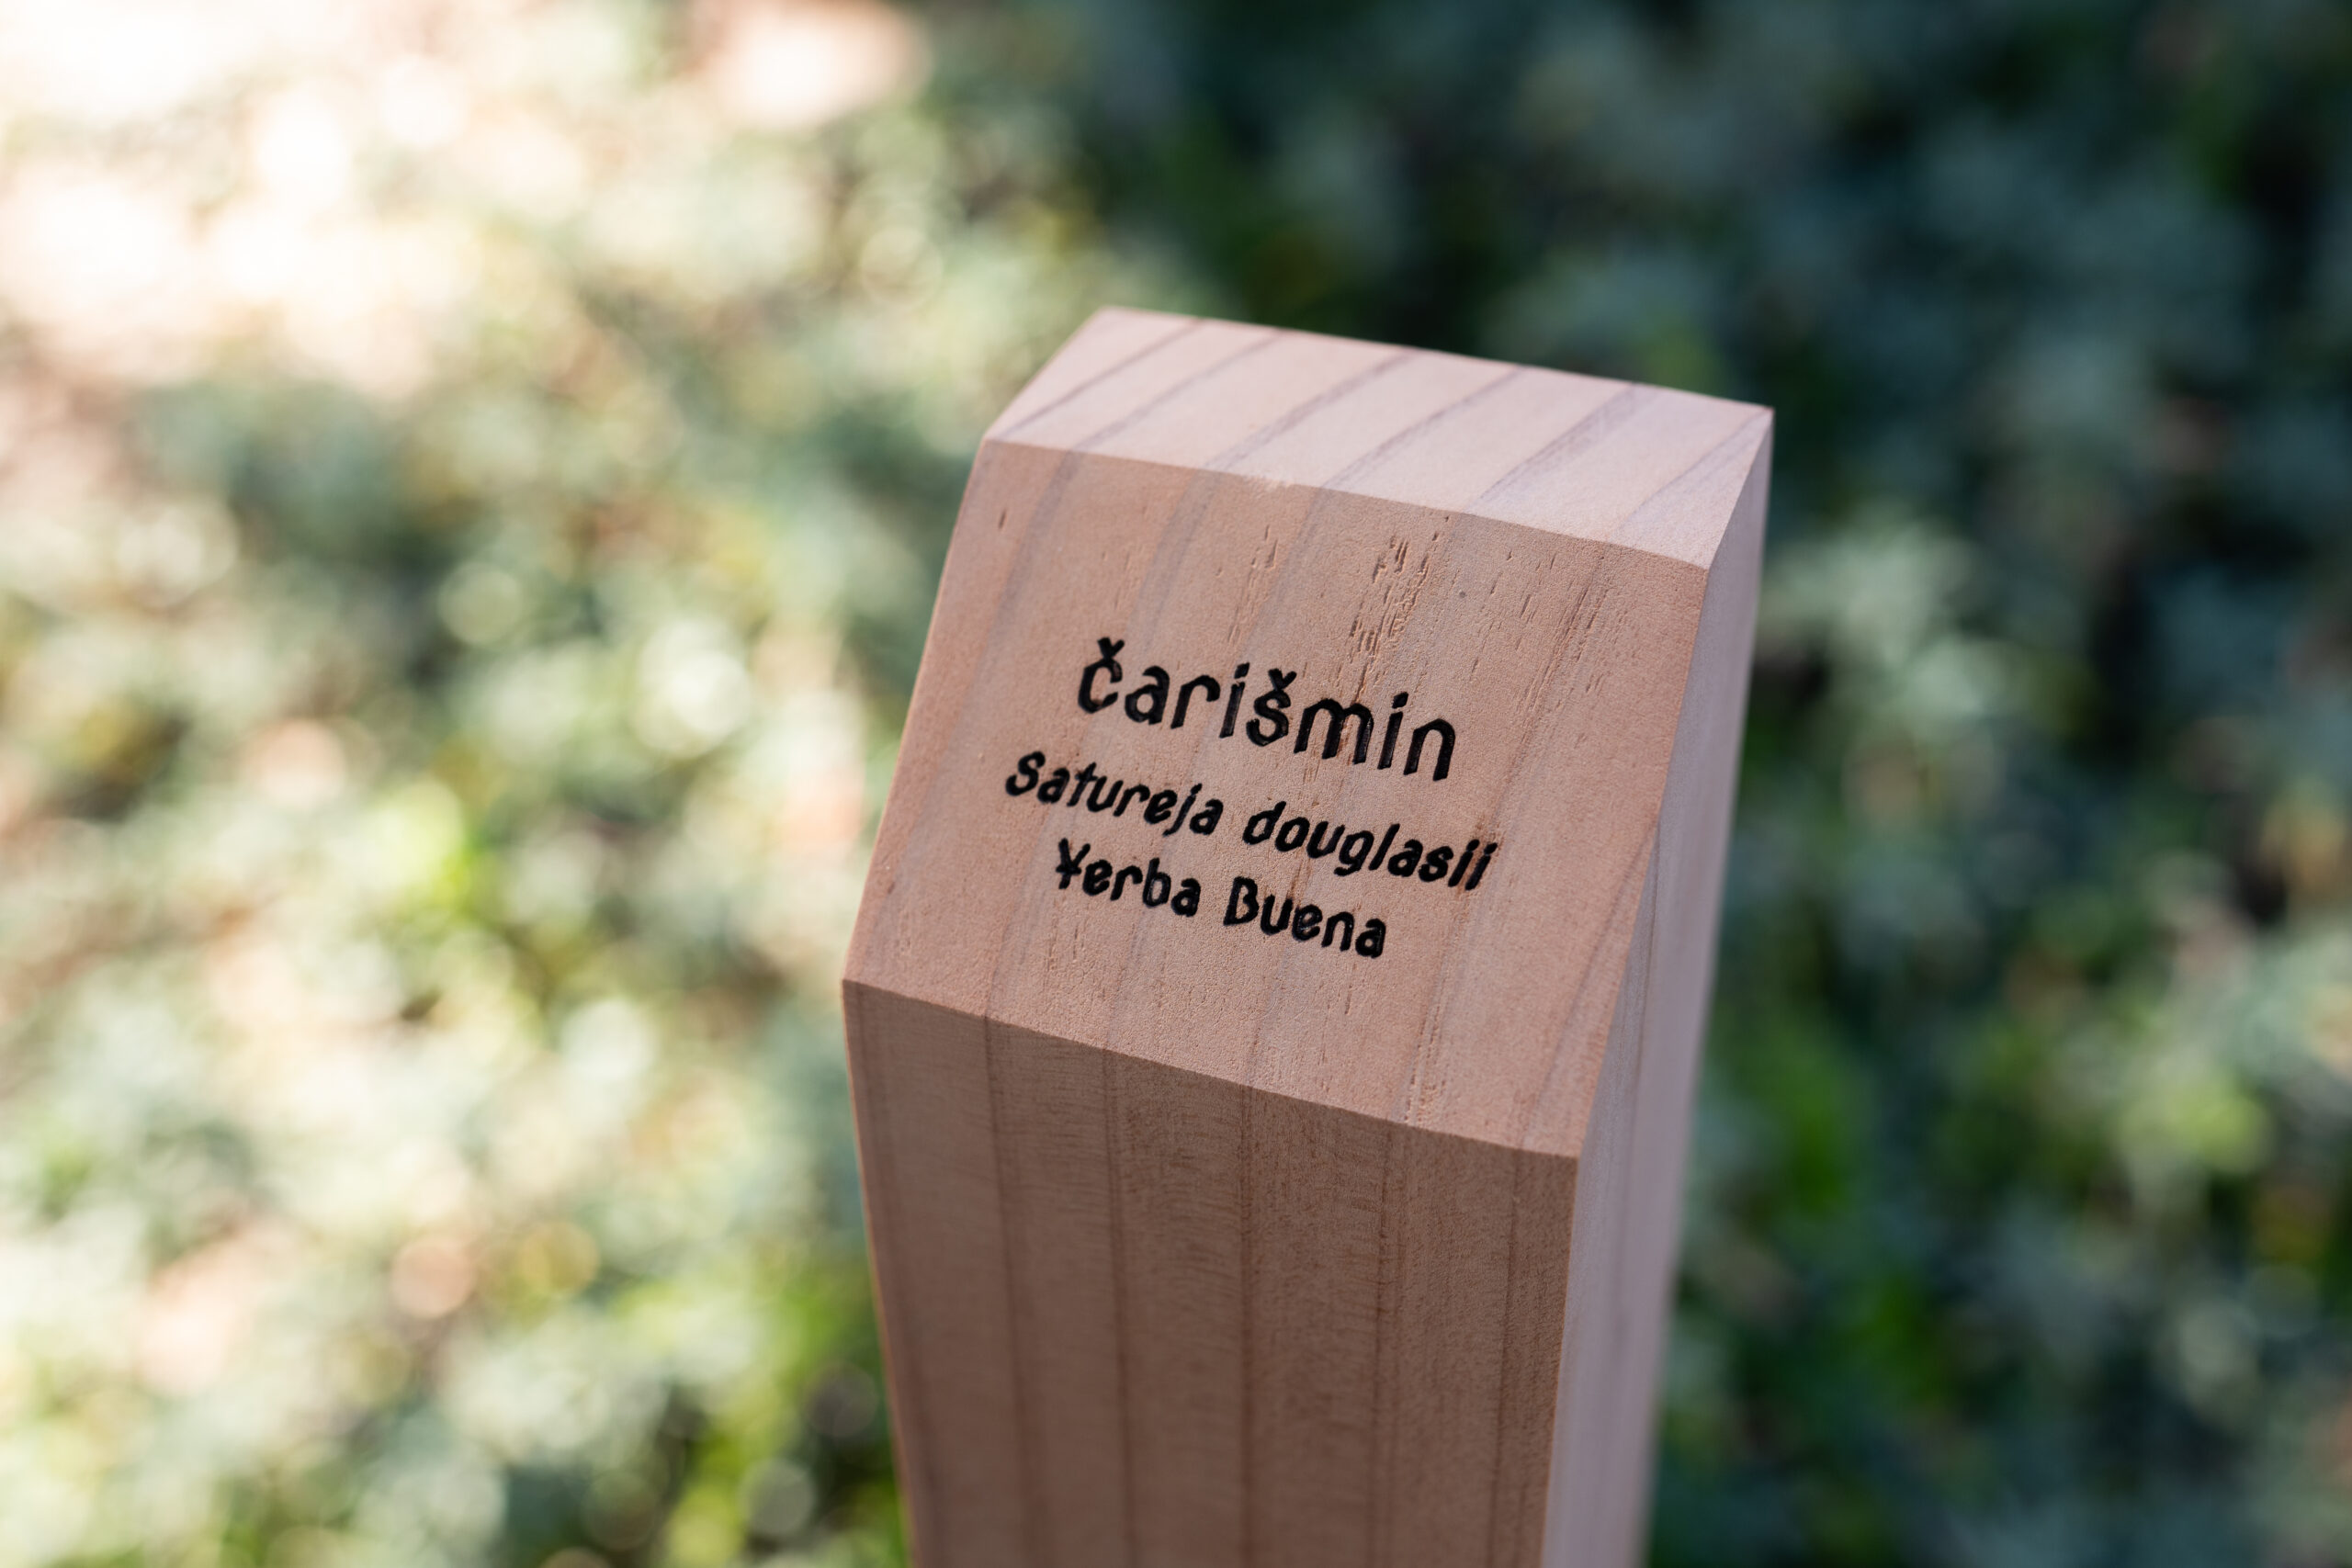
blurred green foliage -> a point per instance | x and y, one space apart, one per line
2020 1234
472 479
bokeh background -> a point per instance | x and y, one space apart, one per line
473 476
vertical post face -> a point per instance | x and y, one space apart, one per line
1274 1002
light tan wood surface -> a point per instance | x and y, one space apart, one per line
1202 1246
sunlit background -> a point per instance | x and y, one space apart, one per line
472 475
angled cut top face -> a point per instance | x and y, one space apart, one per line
1393 866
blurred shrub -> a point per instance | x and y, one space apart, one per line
472 478
2022 1228
471 482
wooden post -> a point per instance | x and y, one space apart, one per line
1277 995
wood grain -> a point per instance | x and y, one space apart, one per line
1198 1245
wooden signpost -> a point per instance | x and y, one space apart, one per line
1277 995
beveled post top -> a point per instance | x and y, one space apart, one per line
1299 711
